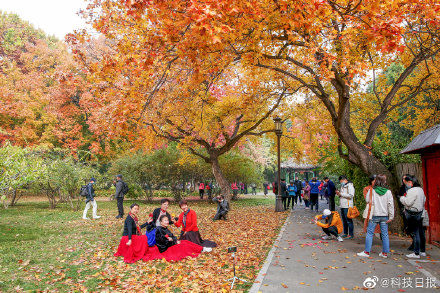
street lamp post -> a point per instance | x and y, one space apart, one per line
278 132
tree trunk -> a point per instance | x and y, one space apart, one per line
220 178
362 156
14 198
70 198
148 193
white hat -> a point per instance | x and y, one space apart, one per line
326 212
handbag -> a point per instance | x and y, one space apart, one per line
353 212
425 218
367 211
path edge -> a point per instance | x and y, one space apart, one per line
261 274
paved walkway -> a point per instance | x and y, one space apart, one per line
302 262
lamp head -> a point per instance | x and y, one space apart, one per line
278 125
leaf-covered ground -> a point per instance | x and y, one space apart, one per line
55 250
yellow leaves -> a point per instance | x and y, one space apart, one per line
216 39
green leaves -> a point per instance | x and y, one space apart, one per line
18 167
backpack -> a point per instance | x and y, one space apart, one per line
83 191
125 188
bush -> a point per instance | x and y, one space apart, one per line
19 167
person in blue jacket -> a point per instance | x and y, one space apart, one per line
291 190
314 193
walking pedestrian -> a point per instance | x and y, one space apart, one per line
254 188
209 190
414 203
121 191
346 195
284 193
298 196
234 187
321 189
381 202
332 224
291 190
90 201
331 192
275 188
265 188
306 195
314 193
201 189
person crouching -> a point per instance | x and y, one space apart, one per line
222 207
332 224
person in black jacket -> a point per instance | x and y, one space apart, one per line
90 200
299 187
164 203
131 224
284 193
164 237
331 192
119 195
222 207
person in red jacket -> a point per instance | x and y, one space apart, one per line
201 189
188 221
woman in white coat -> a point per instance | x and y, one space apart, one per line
346 195
414 203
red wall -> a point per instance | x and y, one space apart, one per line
431 182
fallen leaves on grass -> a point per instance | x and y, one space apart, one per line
251 229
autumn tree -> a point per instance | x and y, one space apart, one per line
207 114
327 47
40 87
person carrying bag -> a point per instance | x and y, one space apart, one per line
346 195
380 211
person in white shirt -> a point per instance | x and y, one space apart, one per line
414 203
346 195
382 212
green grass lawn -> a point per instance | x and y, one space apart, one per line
42 248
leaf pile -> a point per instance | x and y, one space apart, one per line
81 258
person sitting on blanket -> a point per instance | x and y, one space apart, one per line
332 224
151 228
133 245
171 248
188 220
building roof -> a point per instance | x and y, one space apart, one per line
428 138
298 166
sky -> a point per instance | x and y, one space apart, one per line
55 17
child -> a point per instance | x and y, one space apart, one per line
332 224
